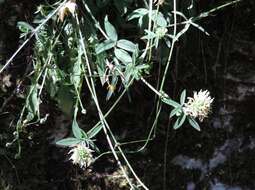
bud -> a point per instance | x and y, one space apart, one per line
84 111
7 145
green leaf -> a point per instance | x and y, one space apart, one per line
25 28
123 56
66 98
33 100
140 22
183 97
183 118
150 35
138 13
53 77
76 76
94 131
92 145
128 72
179 122
68 141
170 102
77 132
106 45
110 30
175 111
168 43
159 18
156 42
84 134
176 124
100 62
194 124
126 45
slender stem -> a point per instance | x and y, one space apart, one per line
159 105
20 122
13 167
97 24
102 119
171 49
150 133
146 4
162 85
151 87
115 102
149 28
153 29
205 14
33 33
79 99
43 82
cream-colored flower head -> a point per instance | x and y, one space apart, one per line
81 155
198 106
68 7
161 32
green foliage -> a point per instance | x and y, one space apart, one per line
69 141
194 124
71 54
110 30
179 112
122 56
24 28
60 68
126 45
106 45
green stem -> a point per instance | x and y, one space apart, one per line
102 119
31 36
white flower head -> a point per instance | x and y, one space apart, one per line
81 155
198 106
161 32
68 7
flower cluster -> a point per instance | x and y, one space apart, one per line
198 106
161 32
69 7
81 155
